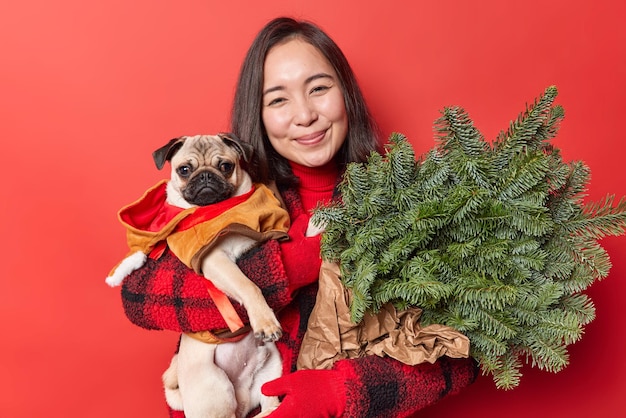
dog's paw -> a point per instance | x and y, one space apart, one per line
268 336
268 330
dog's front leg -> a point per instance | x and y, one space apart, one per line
205 389
220 268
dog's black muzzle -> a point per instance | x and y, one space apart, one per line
205 188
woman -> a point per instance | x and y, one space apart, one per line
298 102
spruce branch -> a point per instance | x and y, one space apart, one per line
493 239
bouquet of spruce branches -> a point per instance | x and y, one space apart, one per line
491 239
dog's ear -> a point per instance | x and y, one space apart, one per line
166 152
243 148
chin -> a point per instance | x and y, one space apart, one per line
317 160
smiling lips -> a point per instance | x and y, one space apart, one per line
311 139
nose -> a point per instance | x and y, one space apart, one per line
304 113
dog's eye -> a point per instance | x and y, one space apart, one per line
226 167
184 171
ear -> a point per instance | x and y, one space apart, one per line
243 148
166 152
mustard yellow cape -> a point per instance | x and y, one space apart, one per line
191 233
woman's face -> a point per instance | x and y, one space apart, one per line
303 106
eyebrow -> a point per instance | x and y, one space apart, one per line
307 81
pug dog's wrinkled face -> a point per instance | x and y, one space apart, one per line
206 169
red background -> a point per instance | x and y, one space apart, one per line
90 89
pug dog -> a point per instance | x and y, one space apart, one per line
224 379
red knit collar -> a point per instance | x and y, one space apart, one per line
316 183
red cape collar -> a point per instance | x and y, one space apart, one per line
151 212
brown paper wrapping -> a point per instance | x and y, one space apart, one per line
331 336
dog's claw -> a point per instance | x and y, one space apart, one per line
266 327
268 338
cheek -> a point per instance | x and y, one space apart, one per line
336 112
278 145
334 108
175 178
275 123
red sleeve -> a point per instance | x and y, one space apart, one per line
384 387
167 295
301 255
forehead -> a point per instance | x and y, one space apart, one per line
294 61
203 147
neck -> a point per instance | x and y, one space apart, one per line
316 183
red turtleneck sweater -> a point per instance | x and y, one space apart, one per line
316 183
301 255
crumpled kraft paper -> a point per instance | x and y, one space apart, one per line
331 336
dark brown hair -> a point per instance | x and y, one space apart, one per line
246 116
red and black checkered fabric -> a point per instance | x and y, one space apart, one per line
166 295
383 387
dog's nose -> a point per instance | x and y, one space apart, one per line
205 176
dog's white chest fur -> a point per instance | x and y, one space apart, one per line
249 363
201 370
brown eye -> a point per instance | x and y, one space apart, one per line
276 101
226 167
184 171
